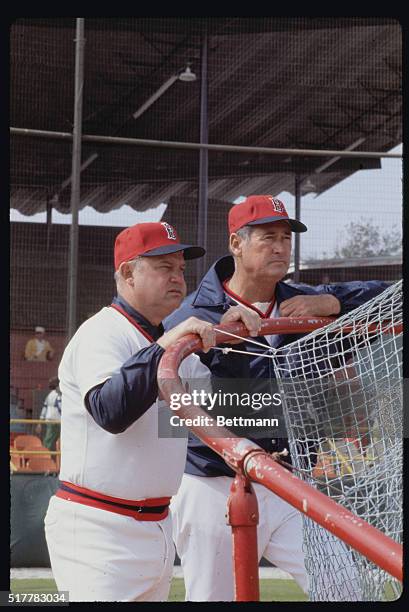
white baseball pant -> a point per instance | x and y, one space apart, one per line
98 555
204 542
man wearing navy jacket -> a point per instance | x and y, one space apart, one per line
260 246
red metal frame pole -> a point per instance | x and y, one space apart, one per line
363 537
242 516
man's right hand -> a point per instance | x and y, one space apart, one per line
250 318
192 325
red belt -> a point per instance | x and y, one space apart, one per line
154 509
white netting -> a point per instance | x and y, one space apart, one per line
342 390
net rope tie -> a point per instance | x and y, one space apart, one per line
269 350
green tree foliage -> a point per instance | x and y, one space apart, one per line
365 239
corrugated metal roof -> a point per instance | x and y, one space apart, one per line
287 82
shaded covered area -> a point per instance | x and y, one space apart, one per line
327 83
293 83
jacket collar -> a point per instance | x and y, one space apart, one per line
211 293
155 331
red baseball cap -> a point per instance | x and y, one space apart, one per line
150 239
259 209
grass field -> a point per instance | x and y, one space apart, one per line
270 590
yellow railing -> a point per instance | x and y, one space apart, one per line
34 452
36 421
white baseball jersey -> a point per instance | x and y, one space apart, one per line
52 406
135 464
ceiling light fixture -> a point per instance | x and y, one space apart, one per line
308 186
187 75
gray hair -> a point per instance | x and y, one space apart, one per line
135 262
244 233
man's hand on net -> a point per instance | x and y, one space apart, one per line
250 318
192 325
324 305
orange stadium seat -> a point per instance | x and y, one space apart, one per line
13 436
41 464
25 440
28 443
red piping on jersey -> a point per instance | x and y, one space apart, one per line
106 502
263 315
134 323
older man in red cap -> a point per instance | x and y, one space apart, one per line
260 245
108 527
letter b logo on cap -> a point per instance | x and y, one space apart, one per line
169 230
278 205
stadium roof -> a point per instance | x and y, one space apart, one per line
316 83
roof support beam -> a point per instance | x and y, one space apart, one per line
172 144
76 177
203 166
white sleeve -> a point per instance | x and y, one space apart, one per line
98 355
43 413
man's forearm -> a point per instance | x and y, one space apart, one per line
355 293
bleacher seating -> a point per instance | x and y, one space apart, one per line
41 464
28 376
27 441
24 461
29 384
16 412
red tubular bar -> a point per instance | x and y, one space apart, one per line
242 516
356 532
248 459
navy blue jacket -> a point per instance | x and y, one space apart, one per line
209 302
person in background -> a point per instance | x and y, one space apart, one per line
51 410
38 348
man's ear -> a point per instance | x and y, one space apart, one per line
125 272
235 244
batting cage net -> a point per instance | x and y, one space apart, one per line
342 405
342 389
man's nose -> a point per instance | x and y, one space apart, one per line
178 277
278 246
